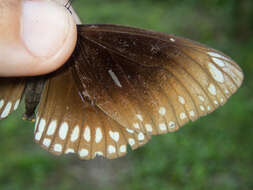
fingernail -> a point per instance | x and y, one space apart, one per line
44 27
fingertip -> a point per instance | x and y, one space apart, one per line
42 43
49 33
61 56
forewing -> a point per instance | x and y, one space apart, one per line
11 91
148 81
66 124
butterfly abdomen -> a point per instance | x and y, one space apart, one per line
33 91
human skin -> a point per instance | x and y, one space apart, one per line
36 36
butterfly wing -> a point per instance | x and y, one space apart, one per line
151 82
66 124
11 91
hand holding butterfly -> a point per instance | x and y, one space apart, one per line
121 86
36 37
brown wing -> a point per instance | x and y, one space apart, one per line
151 82
11 91
66 124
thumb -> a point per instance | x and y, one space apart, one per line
36 37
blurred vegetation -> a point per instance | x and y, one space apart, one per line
214 152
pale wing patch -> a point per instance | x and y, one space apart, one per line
52 127
6 110
16 104
63 130
75 134
87 134
99 135
115 78
216 73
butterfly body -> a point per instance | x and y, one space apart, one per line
121 86
33 91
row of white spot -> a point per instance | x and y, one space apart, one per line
111 149
75 135
7 109
220 61
162 126
63 131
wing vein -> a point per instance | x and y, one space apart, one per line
207 73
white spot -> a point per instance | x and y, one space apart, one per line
16 104
141 137
162 111
226 91
114 135
57 147
1 103
172 39
216 102
83 153
136 125
172 124
7 110
131 141
47 142
218 62
99 135
38 136
75 134
99 154
70 151
111 149
216 73
181 100
149 127
214 54
41 128
86 134
129 130
212 89
63 130
42 125
221 100
202 108
208 108
201 98
139 117
192 113
183 116
51 128
163 126
115 78
122 148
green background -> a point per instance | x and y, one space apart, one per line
214 152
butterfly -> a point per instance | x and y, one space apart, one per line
121 86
